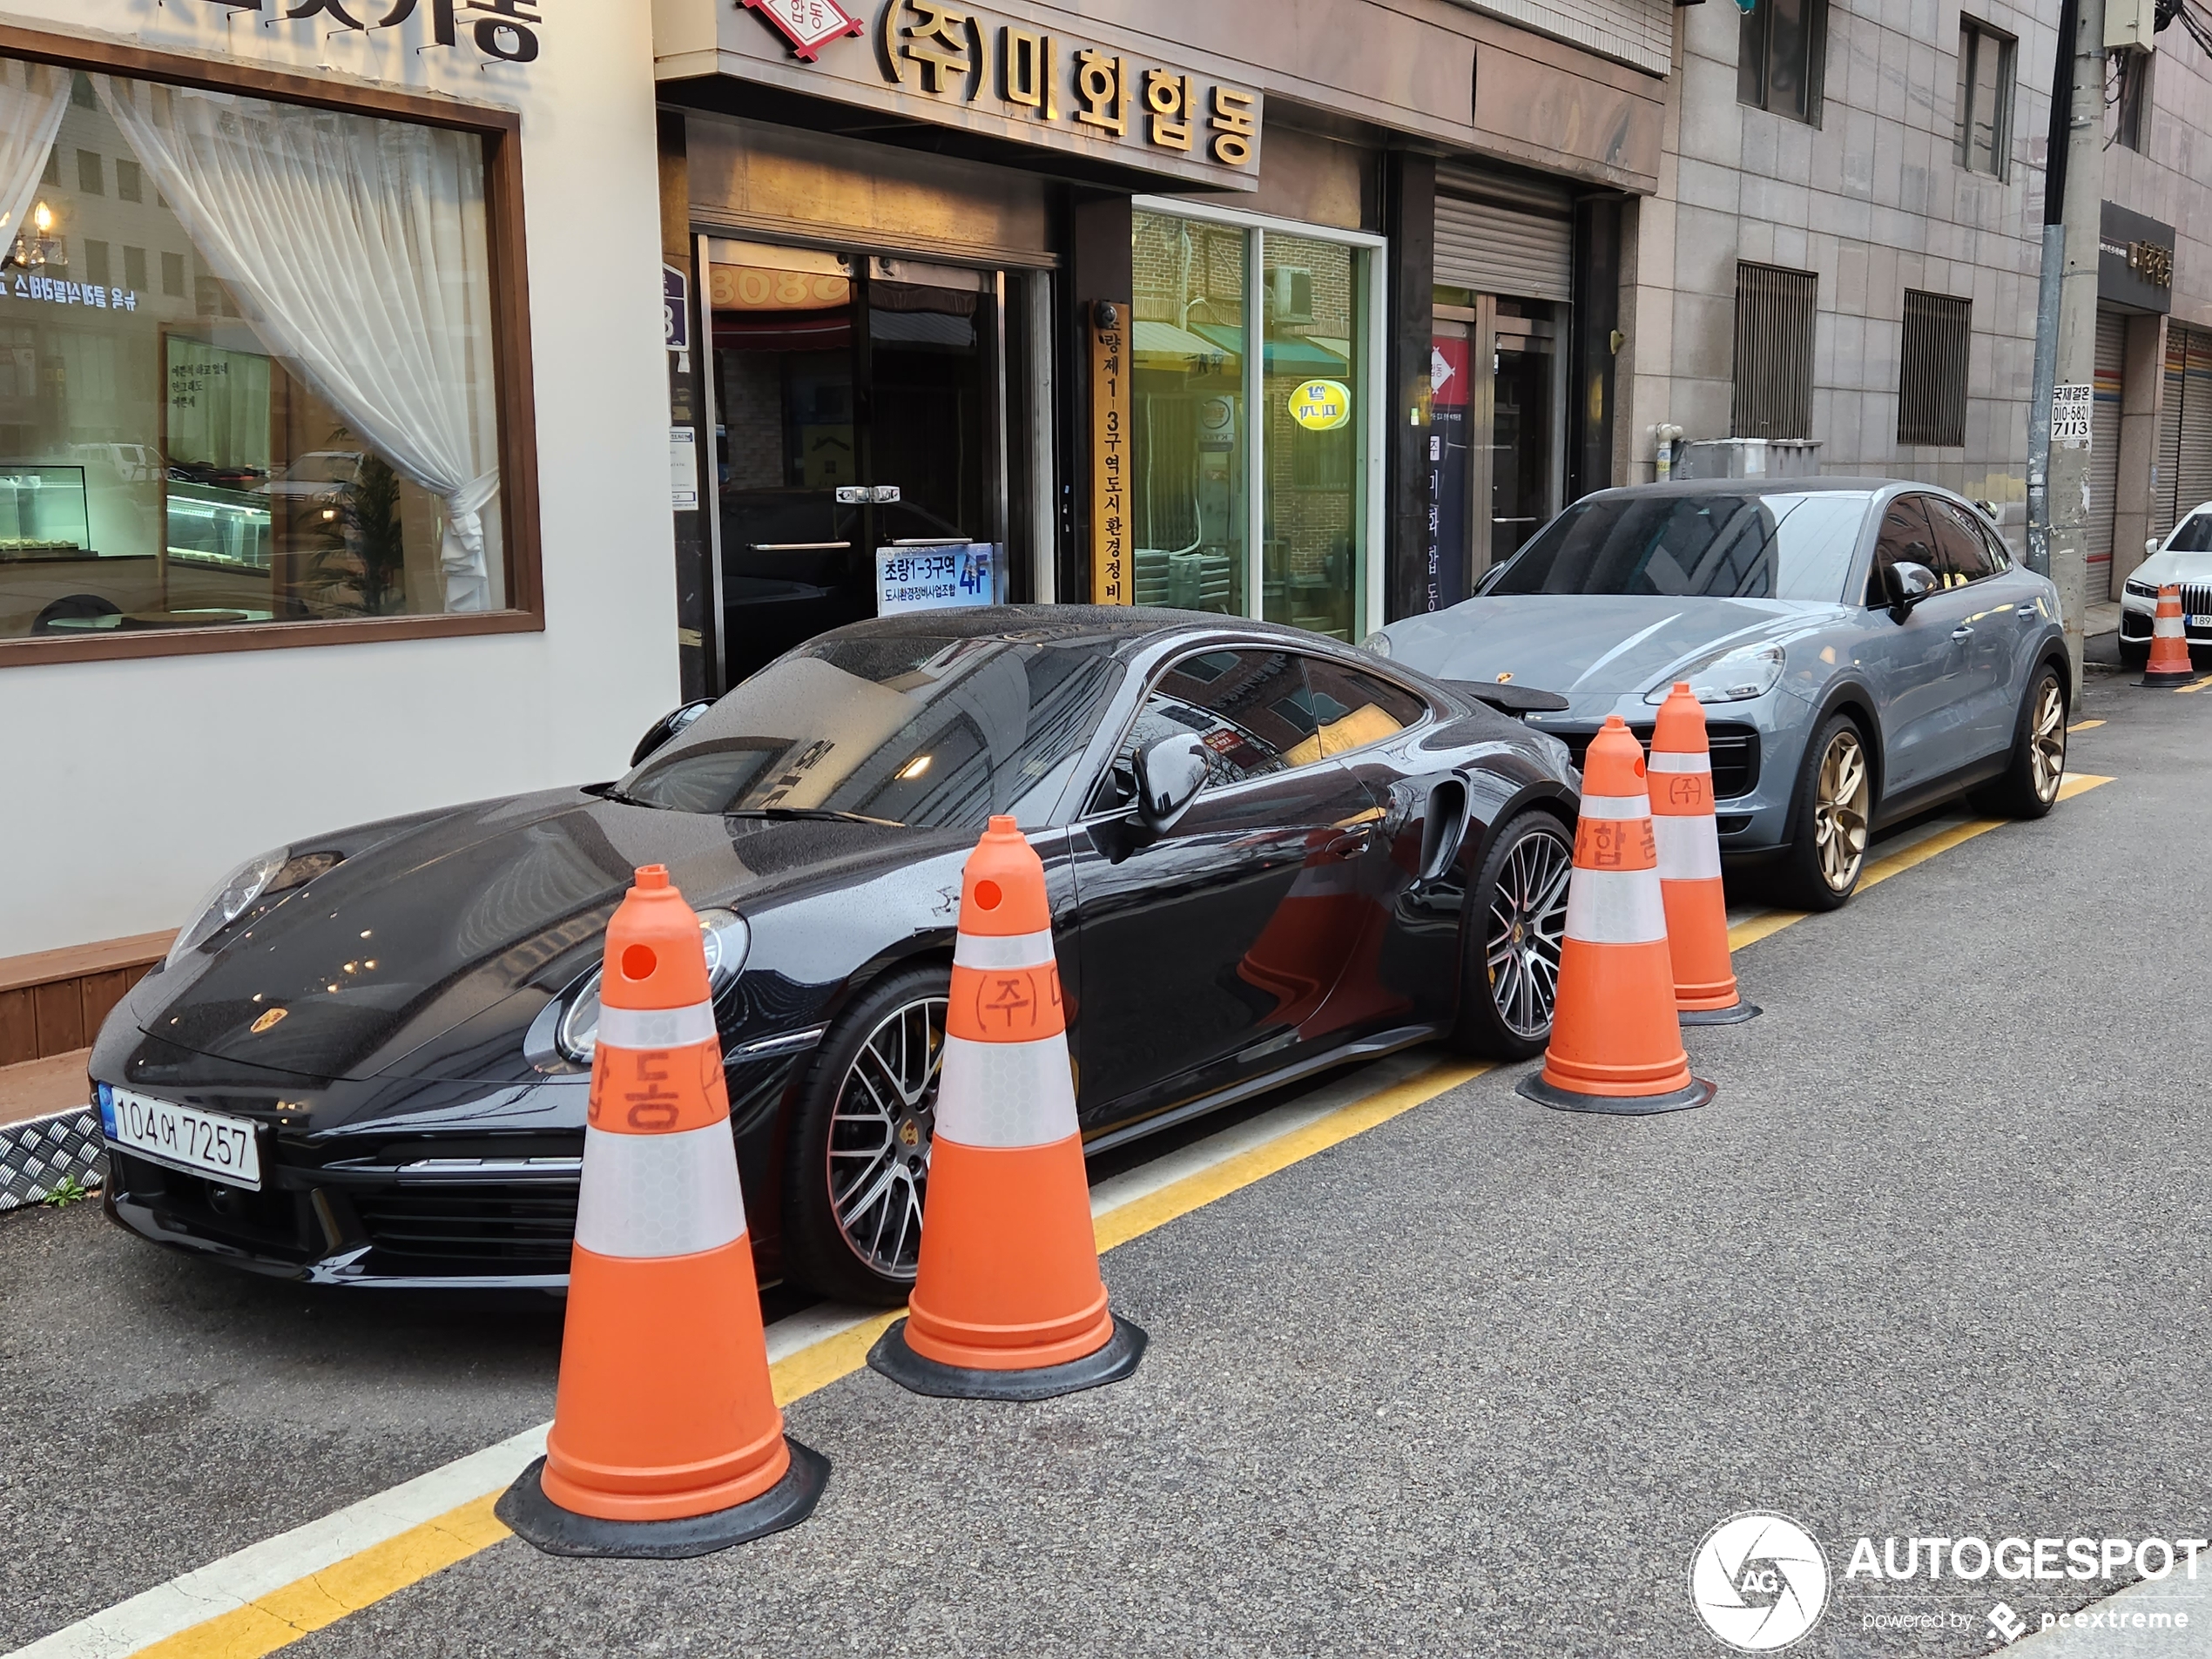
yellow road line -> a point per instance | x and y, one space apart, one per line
283 1616
306 1605
2085 726
1752 929
2199 687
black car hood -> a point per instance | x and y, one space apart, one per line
428 952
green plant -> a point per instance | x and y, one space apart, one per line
66 1192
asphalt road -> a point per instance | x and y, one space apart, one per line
1476 1381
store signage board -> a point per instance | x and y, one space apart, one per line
947 577
808 24
2070 406
1111 579
1320 405
501 30
1029 74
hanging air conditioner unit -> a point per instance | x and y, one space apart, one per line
1289 293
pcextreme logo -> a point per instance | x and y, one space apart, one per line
1759 1581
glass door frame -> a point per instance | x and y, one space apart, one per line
1371 323
1480 320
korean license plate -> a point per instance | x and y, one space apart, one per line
2201 619
209 1143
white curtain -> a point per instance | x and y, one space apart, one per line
33 99
356 249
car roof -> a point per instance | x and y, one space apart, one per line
1825 483
1121 629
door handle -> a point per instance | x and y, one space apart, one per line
1352 843
1961 633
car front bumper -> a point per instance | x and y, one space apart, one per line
1758 746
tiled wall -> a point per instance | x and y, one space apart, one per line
2168 180
1873 200
1635 31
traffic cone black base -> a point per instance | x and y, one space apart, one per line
1532 1087
2166 682
1736 1014
1116 1360
536 1519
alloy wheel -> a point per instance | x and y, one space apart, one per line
881 1130
2046 741
1528 921
1839 810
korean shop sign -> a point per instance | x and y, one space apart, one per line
1029 74
499 30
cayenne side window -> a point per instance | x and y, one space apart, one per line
1250 708
1961 554
1905 537
1352 709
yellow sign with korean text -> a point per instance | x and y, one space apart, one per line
1112 578
1320 405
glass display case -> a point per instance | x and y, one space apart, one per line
42 512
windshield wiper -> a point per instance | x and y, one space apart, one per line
609 792
818 812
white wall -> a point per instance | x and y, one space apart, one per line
127 788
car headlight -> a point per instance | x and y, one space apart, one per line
1734 676
2140 590
1378 642
232 894
727 941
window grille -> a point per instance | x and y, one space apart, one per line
1773 320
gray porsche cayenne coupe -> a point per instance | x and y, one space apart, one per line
1864 648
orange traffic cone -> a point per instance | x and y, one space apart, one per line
1008 1303
1616 1043
666 1442
1690 865
2169 645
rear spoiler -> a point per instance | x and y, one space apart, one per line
1508 699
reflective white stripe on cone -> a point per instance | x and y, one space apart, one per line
987 951
659 1195
1616 908
1616 807
1006 1094
648 1029
1690 848
1671 760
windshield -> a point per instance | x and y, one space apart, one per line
1721 547
2195 535
935 732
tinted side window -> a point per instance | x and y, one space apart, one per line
1905 536
1250 708
1352 709
1963 553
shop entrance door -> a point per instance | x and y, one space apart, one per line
1495 471
856 402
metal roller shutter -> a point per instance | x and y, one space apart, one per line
2104 432
2193 461
1503 236
2164 463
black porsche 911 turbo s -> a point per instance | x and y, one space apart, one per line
365 1061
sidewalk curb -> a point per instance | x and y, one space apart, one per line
38 1154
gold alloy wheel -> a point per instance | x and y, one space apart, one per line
1839 811
2046 742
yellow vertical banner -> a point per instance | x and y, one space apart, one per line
1112 578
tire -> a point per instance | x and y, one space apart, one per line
1515 919
2029 787
872 1089
1828 837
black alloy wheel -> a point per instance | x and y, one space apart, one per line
860 1150
1515 922
2036 766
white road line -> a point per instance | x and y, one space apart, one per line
253 1572
238 1580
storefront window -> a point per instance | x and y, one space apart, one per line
246 362
1188 420
1313 384
1211 430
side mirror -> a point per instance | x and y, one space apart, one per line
2151 546
1906 584
666 727
1170 774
